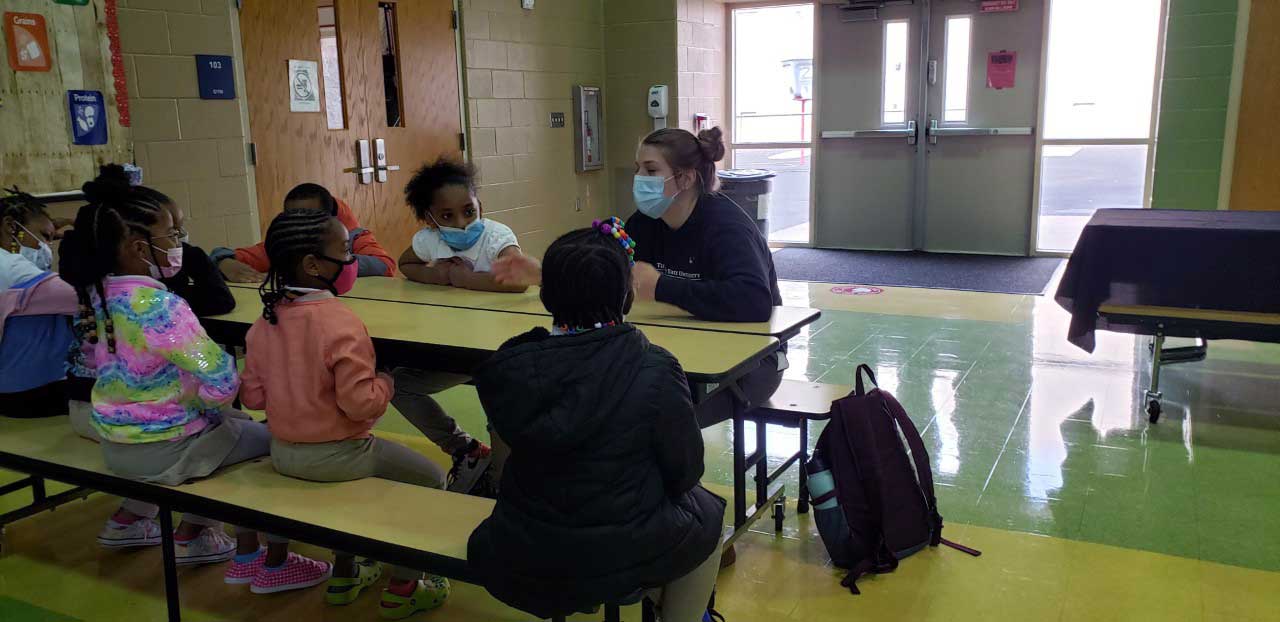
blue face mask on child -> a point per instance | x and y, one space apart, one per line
462 239
650 195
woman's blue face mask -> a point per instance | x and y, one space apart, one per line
649 193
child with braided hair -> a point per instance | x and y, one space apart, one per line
310 364
163 389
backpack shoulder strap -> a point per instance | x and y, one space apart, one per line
923 471
859 389
921 458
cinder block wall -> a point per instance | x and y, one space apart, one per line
521 67
194 150
1199 49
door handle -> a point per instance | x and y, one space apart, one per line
935 131
362 167
909 132
380 149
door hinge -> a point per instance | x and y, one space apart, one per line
454 19
462 141
253 154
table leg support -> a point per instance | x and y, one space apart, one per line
170 564
1153 393
802 495
739 471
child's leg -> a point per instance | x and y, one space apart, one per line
132 509
686 598
344 565
396 462
413 399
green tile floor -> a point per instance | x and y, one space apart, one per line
1028 433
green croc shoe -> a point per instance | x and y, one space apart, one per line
430 594
345 590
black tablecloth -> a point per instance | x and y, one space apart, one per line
1219 260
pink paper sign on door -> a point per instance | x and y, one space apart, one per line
1002 69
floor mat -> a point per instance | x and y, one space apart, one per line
978 273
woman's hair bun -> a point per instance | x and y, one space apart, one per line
712 143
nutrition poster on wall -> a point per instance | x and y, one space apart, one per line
304 86
28 42
88 112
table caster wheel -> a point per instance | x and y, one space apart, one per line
1153 411
779 513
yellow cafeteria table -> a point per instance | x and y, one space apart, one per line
428 529
785 323
450 340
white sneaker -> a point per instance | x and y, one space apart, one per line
212 546
142 532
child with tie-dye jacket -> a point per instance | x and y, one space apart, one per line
163 390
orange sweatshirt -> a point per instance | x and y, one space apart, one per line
313 372
364 244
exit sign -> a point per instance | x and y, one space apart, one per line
999 6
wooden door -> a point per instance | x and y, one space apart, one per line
296 147
419 83
324 147
1255 184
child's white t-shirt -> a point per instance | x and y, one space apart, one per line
496 238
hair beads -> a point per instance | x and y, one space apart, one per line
613 227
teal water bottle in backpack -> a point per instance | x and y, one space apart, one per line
827 513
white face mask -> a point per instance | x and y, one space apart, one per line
41 256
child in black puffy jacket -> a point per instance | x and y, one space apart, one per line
599 499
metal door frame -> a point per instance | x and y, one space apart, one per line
732 104
1033 249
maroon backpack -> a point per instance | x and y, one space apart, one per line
871 485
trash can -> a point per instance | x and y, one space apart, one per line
750 188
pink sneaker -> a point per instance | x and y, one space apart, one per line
297 572
240 573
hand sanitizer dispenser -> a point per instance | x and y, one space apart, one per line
657 103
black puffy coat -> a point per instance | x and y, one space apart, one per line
600 496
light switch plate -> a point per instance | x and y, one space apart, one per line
557 119
526 5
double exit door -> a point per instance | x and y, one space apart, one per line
916 149
387 102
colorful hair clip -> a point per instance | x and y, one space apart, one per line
613 227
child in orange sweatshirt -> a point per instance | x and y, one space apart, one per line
310 364
250 264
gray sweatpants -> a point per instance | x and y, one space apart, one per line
414 388
342 461
686 598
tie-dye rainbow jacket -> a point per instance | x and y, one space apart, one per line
166 377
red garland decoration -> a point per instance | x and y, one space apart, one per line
117 64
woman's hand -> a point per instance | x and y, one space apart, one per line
645 279
238 272
517 269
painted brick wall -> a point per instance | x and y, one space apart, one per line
640 51
191 149
520 67
700 59
1193 104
